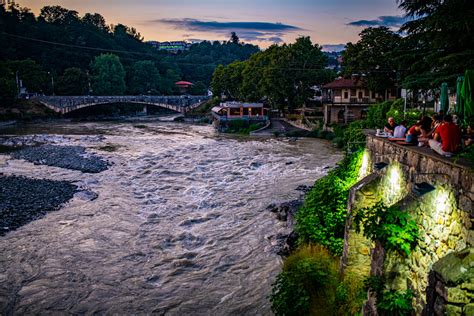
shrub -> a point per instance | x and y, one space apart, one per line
350 295
321 218
377 114
392 227
306 284
395 303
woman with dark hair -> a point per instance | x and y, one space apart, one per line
426 131
413 133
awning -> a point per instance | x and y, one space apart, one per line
216 109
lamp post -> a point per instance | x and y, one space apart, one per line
52 81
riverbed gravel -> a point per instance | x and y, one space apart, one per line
69 157
23 200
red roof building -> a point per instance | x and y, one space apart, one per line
348 99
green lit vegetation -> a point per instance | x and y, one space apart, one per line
321 219
391 226
390 302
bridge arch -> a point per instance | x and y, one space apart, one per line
66 104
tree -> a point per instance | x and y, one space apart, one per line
96 20
144 78
108 75
74 81
234 38
439 40
33 77
374 56
58 15
8 90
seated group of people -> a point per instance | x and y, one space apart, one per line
438 132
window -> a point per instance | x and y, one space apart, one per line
360 94
346 95
366 92
353 92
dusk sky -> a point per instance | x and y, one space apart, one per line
261 22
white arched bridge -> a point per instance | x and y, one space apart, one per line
66 104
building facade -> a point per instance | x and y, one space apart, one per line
346 100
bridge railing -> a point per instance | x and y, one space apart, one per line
76 101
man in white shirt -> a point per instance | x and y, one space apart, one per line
400 130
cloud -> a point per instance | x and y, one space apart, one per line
333 47
247 31
394 21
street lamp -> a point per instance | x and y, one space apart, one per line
52 81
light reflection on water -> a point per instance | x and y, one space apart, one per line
179 226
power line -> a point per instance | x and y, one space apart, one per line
177 62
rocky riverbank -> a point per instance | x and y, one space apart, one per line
23 200
285 243
69 157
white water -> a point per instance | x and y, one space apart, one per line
179 227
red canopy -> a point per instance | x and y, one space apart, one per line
183 83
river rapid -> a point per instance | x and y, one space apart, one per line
179 226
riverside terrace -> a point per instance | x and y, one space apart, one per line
437 193
66 104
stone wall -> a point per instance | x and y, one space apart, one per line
444 216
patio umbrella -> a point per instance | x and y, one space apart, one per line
467 94
444 98
459 100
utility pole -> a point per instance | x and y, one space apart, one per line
17 80
52 81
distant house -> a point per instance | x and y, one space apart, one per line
346 100
227 112
172 47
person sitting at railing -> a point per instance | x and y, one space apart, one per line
413 133
390 126
400 130
447 138
426 130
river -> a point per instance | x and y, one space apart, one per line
179 227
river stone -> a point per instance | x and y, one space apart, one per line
23 200
456 267
69 157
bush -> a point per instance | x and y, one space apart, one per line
307 283
322 217
392 227
377 114
350 295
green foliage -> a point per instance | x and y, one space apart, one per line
350 295
144 78
321 218
354 137
108 75
389 302
392 227
438 46
8 90
306 284
395 303
283 74
373 56
377 115
64 26
242 127
74 81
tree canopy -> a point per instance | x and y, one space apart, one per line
282 74
59 39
